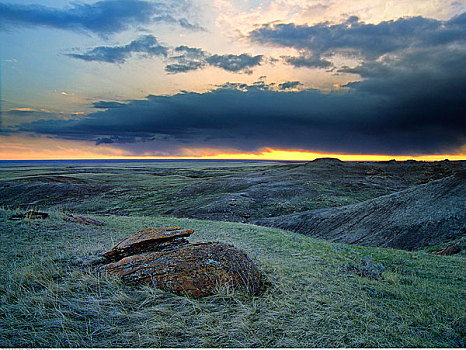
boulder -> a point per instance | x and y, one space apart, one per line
162 258
149 239
196 269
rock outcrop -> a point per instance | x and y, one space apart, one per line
163 258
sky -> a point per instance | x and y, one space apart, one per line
252 79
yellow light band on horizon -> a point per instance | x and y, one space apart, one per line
56 150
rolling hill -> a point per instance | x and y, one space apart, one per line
413 218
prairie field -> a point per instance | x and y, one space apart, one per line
315 293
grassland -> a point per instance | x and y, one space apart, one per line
227 191
317 294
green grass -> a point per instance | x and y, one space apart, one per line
178 189
318 294
153 190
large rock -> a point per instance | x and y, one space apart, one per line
161 257
149 239
196 269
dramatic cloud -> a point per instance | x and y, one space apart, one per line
189 58
412 105
146 45
103 17
410 98
355 37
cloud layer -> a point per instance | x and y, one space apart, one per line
102 17
410 97
183 58
146 45
412 105
189 58
369 41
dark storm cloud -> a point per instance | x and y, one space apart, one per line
418 72
146 45
190 58
103 17
368 40
404 106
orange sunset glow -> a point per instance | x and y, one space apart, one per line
48 149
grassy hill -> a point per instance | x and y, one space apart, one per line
420 216
239 192
317 294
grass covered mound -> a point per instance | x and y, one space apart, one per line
318 294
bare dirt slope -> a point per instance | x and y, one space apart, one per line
418 216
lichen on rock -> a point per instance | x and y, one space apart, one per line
161 257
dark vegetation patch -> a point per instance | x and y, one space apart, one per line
365 268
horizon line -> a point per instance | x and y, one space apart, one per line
174 159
